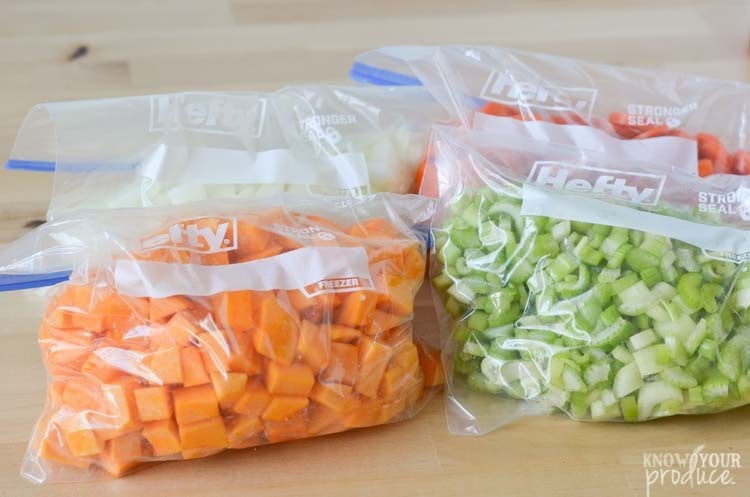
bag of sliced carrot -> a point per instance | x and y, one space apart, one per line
184 331
692 123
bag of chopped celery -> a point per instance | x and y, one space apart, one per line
686 121
171 149
569 282
187 330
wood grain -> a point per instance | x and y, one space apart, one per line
141 46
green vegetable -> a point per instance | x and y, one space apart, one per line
600 322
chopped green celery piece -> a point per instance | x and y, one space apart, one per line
471 214
655 244
627 380
602 412
716 271
618 256
686 259
715 387
616 238
653 359
449 253
698 367
466 238
520 272
678 377
607 275
654 393
588 313
743 387
696 336
626 281
579 405
569 290
636 237
596 372
505 318
461 333
572 381
629 408
581 246
492 235
580 226
677 349
476 283
680 327
473 346
545 245
609 337
442 281
636 299
591 256
638 260
510 209
731 356
609 315
494 280
708 349
562 265
462 268
668 271
560 230
454 307
642 322
663 290
622 354
477 321
502 299
643 339
478 382
461 292
688 287
709 293
695 396
651 276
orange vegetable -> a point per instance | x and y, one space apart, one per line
163 437
357 308
165 365
705 167
214 350
313 345
321 420
162 309
80 439
193 369
277 333
432 366
122 454
292 428
254 401
373 359
229 387
244 431
343 367
283 406
203 434
195 404
335 396
341 333
233 310
154 403
296 379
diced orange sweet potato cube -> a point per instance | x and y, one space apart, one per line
122 454
214 350
375 228
100 368
60 318
334 396
277 334
82 395
297 379
313 345
254 400
229 387
383 321
283 406
165 366
373 359
391 410
366 414
193 370
407 358
398 299
343 366
215 259
181 328
195 404
250 240
293 427
153 403
60 356
163 437
357 308
415 264
234 310
243 356
395 380
341 333
200 453
118 414
80 438
322 420
52 451
204 434
432 366
244 431
164 308
79 297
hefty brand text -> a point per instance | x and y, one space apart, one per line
213 114
195 235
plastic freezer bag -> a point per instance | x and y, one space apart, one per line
184 331
569 283
174 148
691 122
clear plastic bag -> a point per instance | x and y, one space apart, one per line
690 122
569 282
188 330
170 149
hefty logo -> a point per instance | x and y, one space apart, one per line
504 88
208 113
637 188
196 235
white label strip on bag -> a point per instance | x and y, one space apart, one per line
312 270
677 152
220 166
540 202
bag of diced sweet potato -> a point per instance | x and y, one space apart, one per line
187 330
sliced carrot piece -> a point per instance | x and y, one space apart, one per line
153 403
659 130
343 366
432 366
497 109
334 396
193 370
373 359
122 454
740 162
296 379
293 427
163 437
234 310
207 433
254 400
277 334
163 309
244 431
165 365
357 308
314 346
195 403
229 387
705 167
283 406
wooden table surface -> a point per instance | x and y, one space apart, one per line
55 50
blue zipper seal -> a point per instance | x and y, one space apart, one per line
365 73
41 166
12 282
